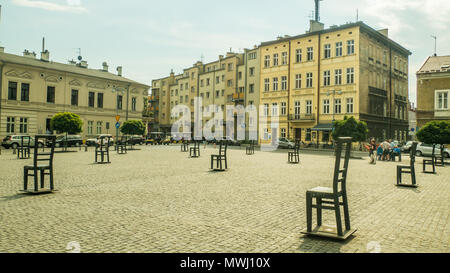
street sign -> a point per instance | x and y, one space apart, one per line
118 125
117 118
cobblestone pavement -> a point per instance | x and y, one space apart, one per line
159 200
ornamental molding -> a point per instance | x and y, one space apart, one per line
18 74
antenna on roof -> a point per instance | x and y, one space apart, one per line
202 57
435 43
357 15
79 55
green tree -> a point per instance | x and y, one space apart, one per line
133 127
68 123
350 127
435 132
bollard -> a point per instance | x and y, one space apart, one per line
85 148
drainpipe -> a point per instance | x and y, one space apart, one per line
318 88
1 91
390 94
289 91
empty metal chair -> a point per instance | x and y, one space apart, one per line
121 146
42 166
331 198
102 150
294 155
410 169
431 162
440 159
23 150
219 158
185 146
195 151
250 150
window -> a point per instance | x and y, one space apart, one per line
338 76
274 109
12 90
251 88
442 100
338 49
181 86
283 83
25 94
275 84
217 79
230 67
267 61
326 106
99 127
327 53
266 85
91 99
275 59
186 86
217 94
252 71
308 135
309 107
119 102
90 127
297 110
283 108
100 100
284 58
74 98
201 83
349 105
50 94
192 76
283 132
252 56
350 75
208 81
10 122
310 53
326 78
337 106
266 109
239 75
350 47
133 103
298 81
309 80
298 55
266 134
230 83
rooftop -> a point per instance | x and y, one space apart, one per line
435 64
22 60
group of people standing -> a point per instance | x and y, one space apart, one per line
386 151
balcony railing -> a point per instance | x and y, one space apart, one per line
238 97
302 117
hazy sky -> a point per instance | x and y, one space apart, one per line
149 38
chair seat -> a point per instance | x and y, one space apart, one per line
403 167
321 190
39 167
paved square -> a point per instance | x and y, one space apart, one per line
159 200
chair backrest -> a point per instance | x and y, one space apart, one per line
104 142
123 140
412 153
340 170
41 155
223 148
433 153
25 141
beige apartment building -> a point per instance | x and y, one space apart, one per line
231 80
433 90
33 90
312 79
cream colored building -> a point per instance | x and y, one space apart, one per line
34 89
326 74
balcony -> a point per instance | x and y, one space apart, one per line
302 118
238 97
153 98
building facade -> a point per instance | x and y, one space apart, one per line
33 90
433 90
310 80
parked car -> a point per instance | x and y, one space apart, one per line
407 147
424 149
133 140
14 141
155 138
96 141
69 141
284 143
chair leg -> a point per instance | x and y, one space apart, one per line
36 188
212 162
51 178
346 212
308 212
337 210
319 211
42 178
25 179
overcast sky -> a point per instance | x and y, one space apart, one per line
149 38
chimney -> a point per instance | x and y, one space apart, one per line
45 55
105 67
220 57
119 71
385 32
315 26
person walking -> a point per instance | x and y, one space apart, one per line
372 147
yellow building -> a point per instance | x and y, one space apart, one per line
312 79
33 90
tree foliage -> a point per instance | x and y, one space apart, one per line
133 127
67 122
350 127
435 132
